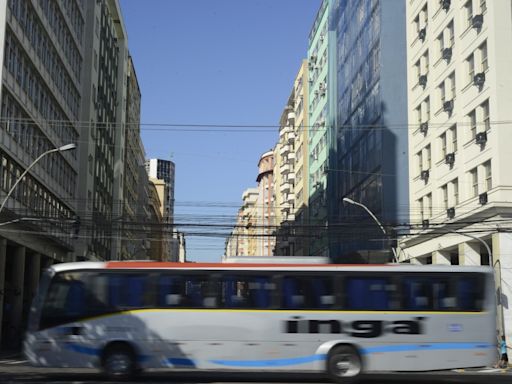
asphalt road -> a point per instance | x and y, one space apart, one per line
18 371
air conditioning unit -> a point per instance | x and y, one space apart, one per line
478 21
312 59
322 37
445 4
481 138
482 198
447 54
321 85
422 80
424 128
448 106
424 175
450 158
479 79
425 224
322 92
422 33
450 212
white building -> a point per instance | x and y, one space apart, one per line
460 130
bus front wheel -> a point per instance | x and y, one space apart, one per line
119 362
344 364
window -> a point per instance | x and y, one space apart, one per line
369 293
428 156
442 93
428 201
455 186
315 292
427 293
472 123
485 115
483 6
468 8
451 80
443 141
474 182
483 56
422 208
420 161
488 175
444 192
470 68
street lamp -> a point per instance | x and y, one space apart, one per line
350 201
66 147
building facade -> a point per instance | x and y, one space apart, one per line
459 109
102 140
368 149
41 63
318 58
265 214
165 170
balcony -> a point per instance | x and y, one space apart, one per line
283 131
285 168
291 116
285 187
284 150
290 198
291 176
291 156
285 207
291 137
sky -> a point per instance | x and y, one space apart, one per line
214 67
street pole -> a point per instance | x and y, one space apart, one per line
350 201
66 147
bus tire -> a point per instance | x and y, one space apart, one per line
118 361
344 364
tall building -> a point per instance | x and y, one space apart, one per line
42 59
318 56
265 216
165 170
102 140
368 148
131 220
459 85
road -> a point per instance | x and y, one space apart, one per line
16 370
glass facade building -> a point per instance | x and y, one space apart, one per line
368 150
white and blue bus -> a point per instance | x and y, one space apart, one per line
342 320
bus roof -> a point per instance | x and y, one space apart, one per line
140 265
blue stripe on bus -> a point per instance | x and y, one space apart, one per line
183 361
96 352
425 347
270 363
82 349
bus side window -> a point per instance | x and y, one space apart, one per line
366 293
417 294
170 291
246 291
127 290
314 292
469 293
200 292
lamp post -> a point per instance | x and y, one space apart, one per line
63 148
350 201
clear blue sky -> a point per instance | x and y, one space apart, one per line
225 62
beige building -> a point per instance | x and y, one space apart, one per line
459 91
265 221
242 241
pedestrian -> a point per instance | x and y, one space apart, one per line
503 363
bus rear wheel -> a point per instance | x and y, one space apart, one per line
118 362
344 364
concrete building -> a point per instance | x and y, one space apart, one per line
130 223
368 149
157 241
458 64
318 56
265 220
165 170
41 63
102 140
242 241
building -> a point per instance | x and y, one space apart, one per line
41 64
165 170
368 147
130 223
156 237
318 55
265 221
459 108
102 140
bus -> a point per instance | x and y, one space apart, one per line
339 320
